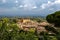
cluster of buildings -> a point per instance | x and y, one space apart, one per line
27 24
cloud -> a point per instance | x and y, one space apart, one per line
57 2
51 9
28 4
43 6
34 7
16 1
13 9
46 5
21 6
27 7
4 1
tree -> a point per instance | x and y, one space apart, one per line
6 20
54 18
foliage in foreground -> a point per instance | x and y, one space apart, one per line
10 31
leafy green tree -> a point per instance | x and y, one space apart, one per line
6 20
3 32
54 18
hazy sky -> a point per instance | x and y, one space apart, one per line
28 7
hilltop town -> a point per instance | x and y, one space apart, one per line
27 24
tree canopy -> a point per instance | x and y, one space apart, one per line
54 18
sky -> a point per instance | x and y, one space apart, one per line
28 7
